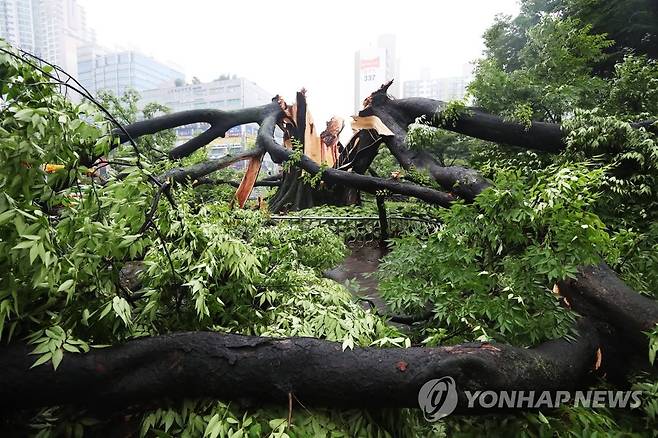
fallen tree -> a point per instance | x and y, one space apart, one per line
259 370
217 268
393 117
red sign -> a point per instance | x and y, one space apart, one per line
370 63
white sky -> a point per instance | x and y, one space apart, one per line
286 45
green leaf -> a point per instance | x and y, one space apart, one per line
25 244
57 357
6 216
71 348
34 253
68 284
24 115
43 359
542 418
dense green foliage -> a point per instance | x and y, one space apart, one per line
631 24
488 273
67 238
488 268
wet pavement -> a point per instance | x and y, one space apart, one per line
358 270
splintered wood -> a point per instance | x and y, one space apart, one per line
248 180
370 122
329 139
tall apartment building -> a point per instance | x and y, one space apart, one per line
17 23
226 94
374 66
51 29
60 28
100 69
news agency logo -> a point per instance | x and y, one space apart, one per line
438 398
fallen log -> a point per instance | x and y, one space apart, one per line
260 371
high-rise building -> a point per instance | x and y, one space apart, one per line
100 69
224 94
374 66
60 28
17 23
51 29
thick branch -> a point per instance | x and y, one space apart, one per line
263 370
464 182
236 184
599 293
473 122
220 122
196 171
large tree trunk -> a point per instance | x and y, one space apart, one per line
259 371
599 293
295 193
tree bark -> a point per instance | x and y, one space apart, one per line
599 293
219 121
199 170
259 371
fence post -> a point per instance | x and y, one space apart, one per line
383 222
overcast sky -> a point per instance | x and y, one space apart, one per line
286 45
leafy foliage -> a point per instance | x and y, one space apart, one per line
487 270
88 261
554 74
555 63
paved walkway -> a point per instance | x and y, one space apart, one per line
359 268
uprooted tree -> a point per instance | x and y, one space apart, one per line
516 286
